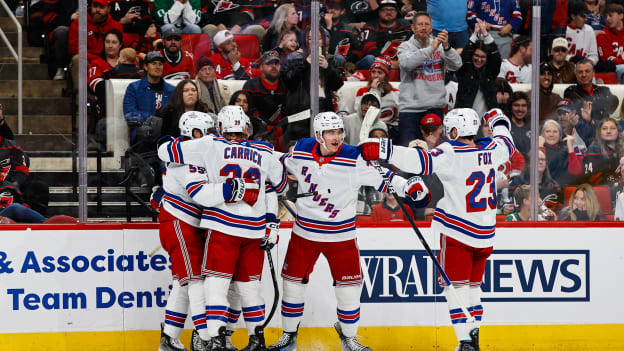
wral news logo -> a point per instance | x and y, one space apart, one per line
510 275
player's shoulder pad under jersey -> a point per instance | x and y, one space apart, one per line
485 143
349 151
305 145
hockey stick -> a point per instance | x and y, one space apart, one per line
398 199
312 193
275 288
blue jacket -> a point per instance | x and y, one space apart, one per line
448 14
498 13
140 100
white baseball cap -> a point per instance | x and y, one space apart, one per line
222 36
560 42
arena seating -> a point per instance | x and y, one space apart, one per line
248 46
117 129
198 44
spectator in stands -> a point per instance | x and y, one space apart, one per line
185 98
361 11
450 15
547 185
267 94
5 130
503 17
227 59
517 68
242 98
569 121
57 17
358 124
580 36
98 23
422 60
563 162
522 203
344 43
503 93
126 68
600 101
563 70
129 13
288 44
108 58
144 97
389 210
285 19
230 15
481 64
182 14
595 14
297 76
145 39
382 36
610 40
431 129
602 159
560 18
548 100
583 205
11 199
211 93
520 122
178 64
379 81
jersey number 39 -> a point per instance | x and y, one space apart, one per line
477 180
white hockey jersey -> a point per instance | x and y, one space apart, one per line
331 217
467 212
224 159
177 199
582 41
515 74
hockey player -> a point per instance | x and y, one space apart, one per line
235 167
182 237
325 224
465 217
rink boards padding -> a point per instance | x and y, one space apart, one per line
95 287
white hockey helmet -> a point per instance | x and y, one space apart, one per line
195 120
465 120
326 121
232 119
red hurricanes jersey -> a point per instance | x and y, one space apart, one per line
97 67
611 45
183 69
223 68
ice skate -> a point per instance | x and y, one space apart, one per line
256 341
474 336
197 343
217 343
465 346
349 343
286 342
168 343
228 341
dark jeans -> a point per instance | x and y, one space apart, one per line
22 214
60 40
409 124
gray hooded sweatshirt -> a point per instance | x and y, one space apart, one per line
422 75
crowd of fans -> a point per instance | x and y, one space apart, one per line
449 54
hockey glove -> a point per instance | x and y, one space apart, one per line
272 235
496 117
156 197
416 190
245 189
376 148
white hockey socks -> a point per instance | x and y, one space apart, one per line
292 305
176 310
198 307
252 304
234 310
458 318
476 309
215 293
348 308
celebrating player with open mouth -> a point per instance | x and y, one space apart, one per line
325 224
466 216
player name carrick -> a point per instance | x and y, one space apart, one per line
242 153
